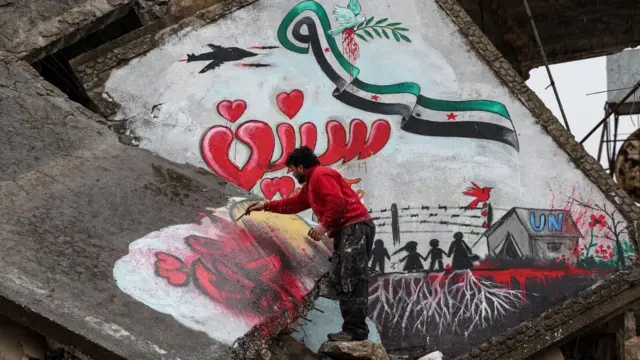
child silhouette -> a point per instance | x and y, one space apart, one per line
413 258
436 255
379 253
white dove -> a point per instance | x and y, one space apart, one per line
347 17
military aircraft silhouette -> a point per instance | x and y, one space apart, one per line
220 55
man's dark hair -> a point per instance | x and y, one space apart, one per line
302 156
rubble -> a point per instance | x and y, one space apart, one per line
353 350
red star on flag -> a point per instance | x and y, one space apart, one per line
452 116
375 97
327 49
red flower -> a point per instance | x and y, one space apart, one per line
608 247
597 221
597 251
447 267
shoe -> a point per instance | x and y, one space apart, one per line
343 336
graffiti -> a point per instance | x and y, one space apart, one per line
554 224
231 111
448 302
290 103
481 195
517 235
283 185
606 224
243 273
380 29
219 55
488 120
352 23
361 143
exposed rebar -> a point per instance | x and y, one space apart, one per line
613 110
546 63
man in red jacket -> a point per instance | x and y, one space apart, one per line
343 217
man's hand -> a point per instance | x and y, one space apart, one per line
259 206
317 232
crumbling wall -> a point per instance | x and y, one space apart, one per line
456 171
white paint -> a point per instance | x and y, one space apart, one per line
134 274
120 333
411 170
436 355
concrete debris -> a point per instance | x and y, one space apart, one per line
436 355
18 343
286 347
632 349
353 350
552 354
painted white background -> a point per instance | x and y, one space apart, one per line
411 170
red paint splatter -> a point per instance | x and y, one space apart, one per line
249 271
350 47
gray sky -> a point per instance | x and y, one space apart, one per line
574 81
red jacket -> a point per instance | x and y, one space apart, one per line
330 197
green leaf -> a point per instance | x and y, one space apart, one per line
361 37
377 32
395 36
369 21
393 24
368 33
404 37
384 32
360 25
381 21
401 29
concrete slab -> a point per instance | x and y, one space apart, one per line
72 200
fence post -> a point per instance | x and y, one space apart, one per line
395 226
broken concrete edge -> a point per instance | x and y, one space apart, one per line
48 36
94 67
256 340
67 338
602 301
565 140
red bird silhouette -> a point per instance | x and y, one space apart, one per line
481 195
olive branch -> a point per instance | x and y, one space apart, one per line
380 29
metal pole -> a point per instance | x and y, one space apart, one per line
606 116
546 63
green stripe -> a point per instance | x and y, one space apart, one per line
316 8
400 88
466 105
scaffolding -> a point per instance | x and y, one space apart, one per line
622 107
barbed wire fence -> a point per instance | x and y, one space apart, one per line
436 218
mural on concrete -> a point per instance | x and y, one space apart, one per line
469 239
220 271
529 256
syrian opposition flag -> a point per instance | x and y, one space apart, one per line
305 29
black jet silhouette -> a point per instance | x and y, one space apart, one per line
219 56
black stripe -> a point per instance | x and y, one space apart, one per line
410 123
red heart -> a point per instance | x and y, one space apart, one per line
172 269
290 103
270 187
231 110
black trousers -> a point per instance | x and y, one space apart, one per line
350 277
